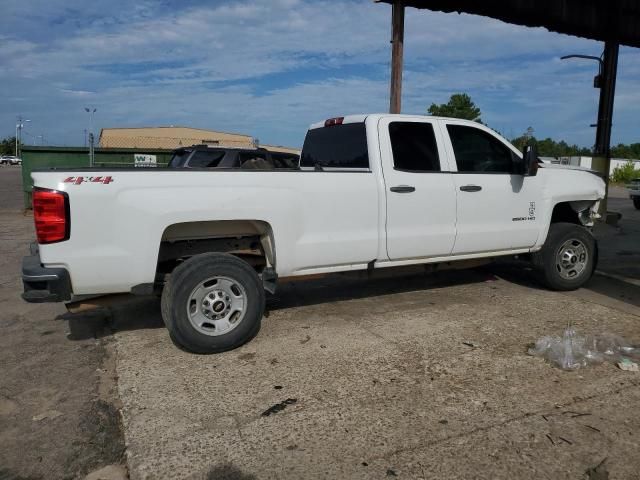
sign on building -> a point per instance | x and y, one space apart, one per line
141 160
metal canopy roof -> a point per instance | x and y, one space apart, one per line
613 20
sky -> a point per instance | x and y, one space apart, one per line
269 68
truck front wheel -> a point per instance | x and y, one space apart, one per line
568 258
212 303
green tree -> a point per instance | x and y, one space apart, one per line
8 146
626 151
625 173
459 105
548 147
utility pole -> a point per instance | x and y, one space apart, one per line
397 41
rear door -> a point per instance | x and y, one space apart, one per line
421 200
496 208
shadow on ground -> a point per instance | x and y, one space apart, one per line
141 313
228 472
338 287
522 274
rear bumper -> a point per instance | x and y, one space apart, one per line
43 284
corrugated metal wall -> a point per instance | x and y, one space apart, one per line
605 20
34 158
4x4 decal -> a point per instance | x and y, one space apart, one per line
80 180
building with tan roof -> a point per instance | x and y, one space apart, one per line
172 137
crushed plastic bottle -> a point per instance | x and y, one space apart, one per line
573 351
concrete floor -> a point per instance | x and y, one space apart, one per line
408 377
377 381
384 385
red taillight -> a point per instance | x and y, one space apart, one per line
51 215
333 121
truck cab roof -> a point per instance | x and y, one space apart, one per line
361 117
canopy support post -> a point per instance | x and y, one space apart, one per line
602 158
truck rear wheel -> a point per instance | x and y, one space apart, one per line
568 258
212 303
636 202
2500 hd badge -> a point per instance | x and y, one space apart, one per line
532 214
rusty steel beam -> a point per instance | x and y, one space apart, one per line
397 41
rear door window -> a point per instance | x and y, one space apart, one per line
338 146
414 147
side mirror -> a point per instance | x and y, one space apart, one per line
530 160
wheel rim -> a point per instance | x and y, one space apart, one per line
217 305
572 259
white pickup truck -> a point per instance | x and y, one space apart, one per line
371 192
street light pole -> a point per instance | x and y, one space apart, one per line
91 111
19 126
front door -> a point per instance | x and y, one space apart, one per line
496 209
421 200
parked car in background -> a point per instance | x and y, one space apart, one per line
205 156
10 160
634 192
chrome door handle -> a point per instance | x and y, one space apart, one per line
403 189
470 188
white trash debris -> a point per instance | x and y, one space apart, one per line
572 351
628 365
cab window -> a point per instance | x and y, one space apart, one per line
477 151
339 146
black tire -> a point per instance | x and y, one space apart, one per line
177 298
636 202
547 261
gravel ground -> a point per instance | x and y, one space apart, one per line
59 413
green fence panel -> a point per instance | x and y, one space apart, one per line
36 158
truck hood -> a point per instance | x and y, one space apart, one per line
557 166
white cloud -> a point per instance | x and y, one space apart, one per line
147 63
